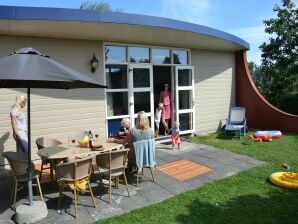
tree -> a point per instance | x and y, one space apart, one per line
256 72
101 6
280 56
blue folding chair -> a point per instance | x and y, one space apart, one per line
236 121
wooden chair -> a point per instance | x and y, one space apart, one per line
44 142
112 164
145 156
76 176
18 164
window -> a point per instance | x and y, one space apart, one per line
138 54
141 78
115 54
141 102
180 57
161 56
184 77
117 103
185 99
116 76
185 120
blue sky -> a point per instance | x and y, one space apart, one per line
243 18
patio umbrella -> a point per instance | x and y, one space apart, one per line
28 68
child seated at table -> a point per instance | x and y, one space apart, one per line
124 129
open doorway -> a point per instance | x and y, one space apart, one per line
161 76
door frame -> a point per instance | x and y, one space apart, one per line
132 90
176 97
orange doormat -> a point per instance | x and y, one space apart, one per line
183 169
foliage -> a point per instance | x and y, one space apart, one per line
280 55
247 197
101 6
257 75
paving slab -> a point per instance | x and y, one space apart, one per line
224 163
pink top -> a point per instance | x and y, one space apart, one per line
165 98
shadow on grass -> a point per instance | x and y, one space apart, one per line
279 207
226 135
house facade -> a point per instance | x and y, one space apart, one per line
136 56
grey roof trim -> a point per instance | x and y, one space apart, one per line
61 14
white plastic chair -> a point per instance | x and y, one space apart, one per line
236 121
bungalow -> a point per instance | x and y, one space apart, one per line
136 56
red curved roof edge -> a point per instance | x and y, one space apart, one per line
260 113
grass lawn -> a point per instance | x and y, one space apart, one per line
247 197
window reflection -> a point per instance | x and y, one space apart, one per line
116 76
115 54
184 77
185 120
185 99
141 77
138 54
161 56
180 57
117 103
142 102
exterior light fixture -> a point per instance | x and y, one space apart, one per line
94 63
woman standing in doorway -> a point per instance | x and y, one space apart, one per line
165 99
19 125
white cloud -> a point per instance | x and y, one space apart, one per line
194 11
255 36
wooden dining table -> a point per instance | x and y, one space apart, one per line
56 154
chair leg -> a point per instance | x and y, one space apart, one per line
12 188
110 188
137 179
75 197
152 174
15 195
60 194
91 193
52 173
126 183
39 188
117 182
41 169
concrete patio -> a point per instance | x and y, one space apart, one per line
223 164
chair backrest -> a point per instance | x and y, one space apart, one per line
145 153
75 170
237 115
112 160
44 142
77 135
18 162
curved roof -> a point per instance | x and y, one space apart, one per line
142 22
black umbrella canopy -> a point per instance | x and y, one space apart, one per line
27 67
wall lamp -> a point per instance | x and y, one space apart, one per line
94 63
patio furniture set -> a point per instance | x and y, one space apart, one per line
73 166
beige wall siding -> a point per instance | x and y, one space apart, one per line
56 113
214 88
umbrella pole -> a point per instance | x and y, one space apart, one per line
30 194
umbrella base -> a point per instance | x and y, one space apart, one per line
31 214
